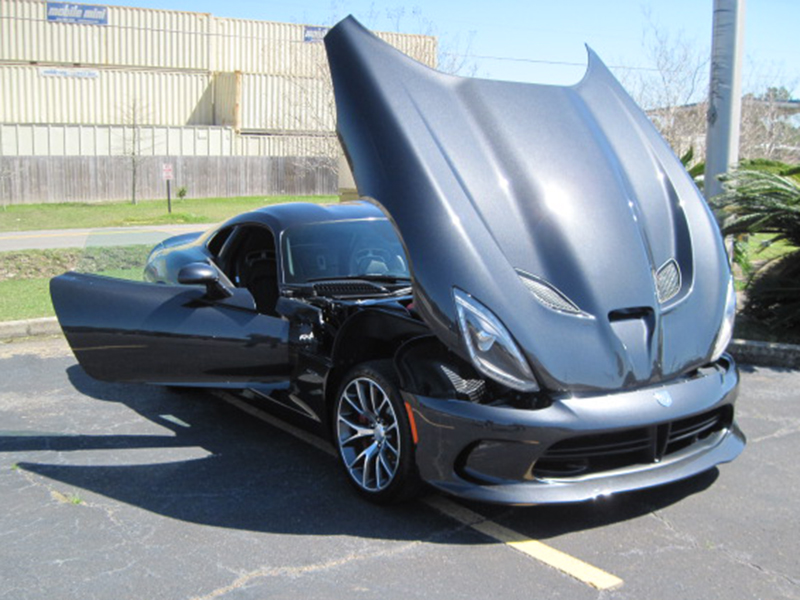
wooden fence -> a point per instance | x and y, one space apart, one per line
55 179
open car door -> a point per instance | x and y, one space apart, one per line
138 332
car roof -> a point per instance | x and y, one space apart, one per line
280 217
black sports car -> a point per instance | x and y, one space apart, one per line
532 306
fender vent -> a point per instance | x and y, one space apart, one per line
474 389
668 281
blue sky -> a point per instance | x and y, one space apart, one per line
528 40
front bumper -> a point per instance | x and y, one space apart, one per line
599 444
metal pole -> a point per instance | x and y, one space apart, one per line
169 198
725 94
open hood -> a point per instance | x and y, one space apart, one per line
561 210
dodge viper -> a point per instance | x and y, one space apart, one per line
531 303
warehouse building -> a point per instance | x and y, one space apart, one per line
95 100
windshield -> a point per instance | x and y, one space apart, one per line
366 248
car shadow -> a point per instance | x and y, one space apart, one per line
216 465
554 520
755 367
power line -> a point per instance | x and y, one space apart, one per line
760 77
543 62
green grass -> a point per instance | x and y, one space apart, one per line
70 498
30 217
30 298
25 275
761 249
37 264
25 299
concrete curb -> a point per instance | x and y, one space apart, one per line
763 354
12 330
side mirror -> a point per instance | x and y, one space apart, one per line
199 273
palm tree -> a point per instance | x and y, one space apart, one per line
761 202
764 202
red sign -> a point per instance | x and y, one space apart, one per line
166 171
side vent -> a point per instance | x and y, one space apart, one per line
549 295
474 389
668 281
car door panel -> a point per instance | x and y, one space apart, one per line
170 334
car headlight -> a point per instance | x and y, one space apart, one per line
491 347
725 332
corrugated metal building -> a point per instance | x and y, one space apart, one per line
99 84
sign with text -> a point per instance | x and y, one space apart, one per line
79 14
74 73
315 34
166 172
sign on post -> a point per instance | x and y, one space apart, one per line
166 175
314 34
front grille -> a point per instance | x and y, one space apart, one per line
589 454
348 288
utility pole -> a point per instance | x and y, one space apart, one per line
725 94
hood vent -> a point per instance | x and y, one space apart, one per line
668 281
549 295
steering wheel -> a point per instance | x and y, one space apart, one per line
370 261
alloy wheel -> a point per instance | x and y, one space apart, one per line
368 434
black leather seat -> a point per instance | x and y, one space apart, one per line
261 279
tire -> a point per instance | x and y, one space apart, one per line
372 435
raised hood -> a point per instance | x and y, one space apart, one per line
560 209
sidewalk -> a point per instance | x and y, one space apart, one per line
100 236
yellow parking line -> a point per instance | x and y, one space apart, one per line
569 565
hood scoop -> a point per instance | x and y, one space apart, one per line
549 295
668 281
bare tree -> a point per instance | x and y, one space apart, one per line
310 109
6 178
454 52
135 143
769 126
674 93
674 89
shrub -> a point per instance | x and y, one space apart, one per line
767 202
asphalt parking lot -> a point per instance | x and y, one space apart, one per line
113 491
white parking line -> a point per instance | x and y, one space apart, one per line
175 420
